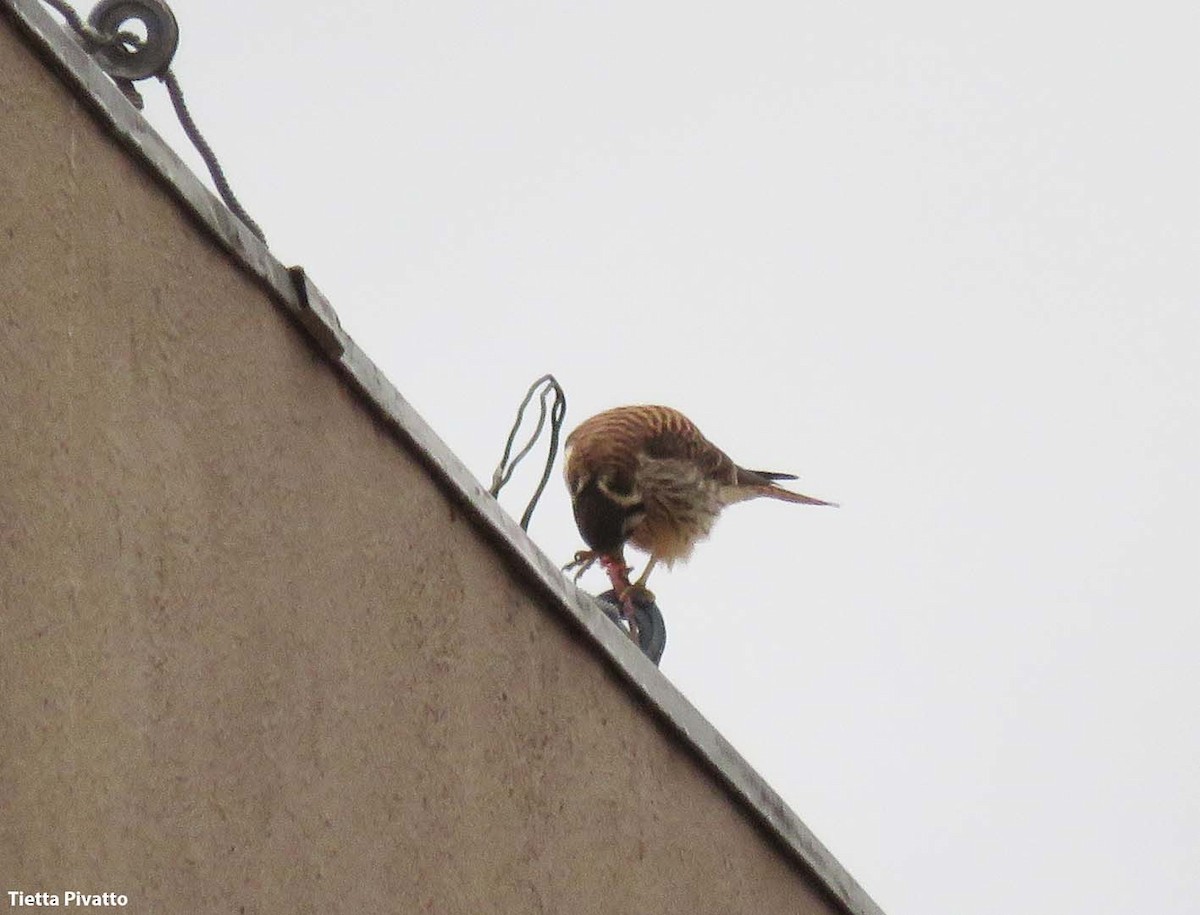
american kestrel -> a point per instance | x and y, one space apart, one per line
644 475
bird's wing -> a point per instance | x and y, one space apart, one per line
687 444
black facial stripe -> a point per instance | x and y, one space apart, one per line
604 523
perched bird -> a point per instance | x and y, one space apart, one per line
644 475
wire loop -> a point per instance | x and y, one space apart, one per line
125 57
557 412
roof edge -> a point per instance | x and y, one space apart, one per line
297 295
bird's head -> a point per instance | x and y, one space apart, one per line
607 507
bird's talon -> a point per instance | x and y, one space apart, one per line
583 561
634 632
636 592
629 613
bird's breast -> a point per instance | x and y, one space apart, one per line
681 506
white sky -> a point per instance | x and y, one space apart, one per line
937 258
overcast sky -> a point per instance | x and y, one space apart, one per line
938 258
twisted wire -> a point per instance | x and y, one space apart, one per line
557 413
206 152
94 39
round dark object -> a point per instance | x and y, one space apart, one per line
150 58
652 631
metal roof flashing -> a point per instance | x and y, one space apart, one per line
292 290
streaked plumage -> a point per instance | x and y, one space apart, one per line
646 476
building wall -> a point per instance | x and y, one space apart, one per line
253 659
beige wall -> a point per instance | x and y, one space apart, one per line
252 659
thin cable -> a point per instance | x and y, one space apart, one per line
557 412
76 22
504 472
206 152
94 39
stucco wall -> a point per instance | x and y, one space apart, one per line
252 659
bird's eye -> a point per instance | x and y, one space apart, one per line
611 484
620 489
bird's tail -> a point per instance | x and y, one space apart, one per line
752 484
759 475
786 495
